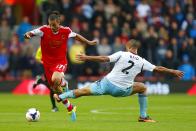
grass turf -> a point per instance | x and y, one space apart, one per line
105 113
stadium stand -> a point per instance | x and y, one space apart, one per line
165 28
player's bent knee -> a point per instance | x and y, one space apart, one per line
139 88
143 88
56 78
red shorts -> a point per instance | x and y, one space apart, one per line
50 69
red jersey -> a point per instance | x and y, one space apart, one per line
53 45
54 49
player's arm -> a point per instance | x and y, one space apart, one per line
161 69
80 38
35 32
84 40
112 58
83 57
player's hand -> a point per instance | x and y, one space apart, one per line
27 35
81 57
178 73
93 42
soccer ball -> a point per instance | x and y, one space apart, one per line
32 115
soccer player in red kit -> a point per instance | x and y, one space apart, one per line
54 39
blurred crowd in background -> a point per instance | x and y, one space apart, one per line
165 28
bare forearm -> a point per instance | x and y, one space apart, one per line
165 70
97 58
82 39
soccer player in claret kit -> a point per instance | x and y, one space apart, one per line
120 81
54 39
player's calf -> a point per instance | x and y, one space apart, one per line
60 84
57 80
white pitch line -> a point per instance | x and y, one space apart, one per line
127 110
108 111
101 112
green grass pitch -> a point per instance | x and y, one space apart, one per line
105 113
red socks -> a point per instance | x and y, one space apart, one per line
68 105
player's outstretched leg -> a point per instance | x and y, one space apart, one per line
140 88
73 94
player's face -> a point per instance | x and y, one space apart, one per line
54 25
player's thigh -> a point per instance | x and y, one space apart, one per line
58 72
57 76
138 87
56 80
97 87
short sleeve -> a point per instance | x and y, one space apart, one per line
147 66
115 57
69 29
38 32
72 34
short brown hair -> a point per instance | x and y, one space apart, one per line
134 43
